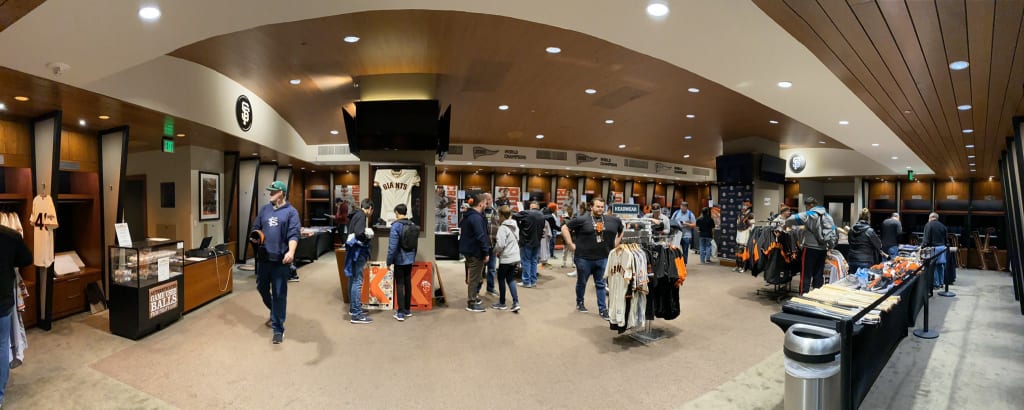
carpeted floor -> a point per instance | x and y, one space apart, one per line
721 353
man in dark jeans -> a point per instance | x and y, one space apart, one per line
891 230
813 260
400 262
475 245
531 225
279 222
595 235
935 236
357 252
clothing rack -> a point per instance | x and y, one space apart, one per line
649 334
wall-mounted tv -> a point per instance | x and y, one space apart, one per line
735 168
773 169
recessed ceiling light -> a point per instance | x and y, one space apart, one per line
566 167
609 121
688 137
81 122
693 89
970 157
351 39
503 107
334 132
772 122
785 84
255 154
971 164
180 134
821 142
691 116
590 91
295 81
303 168
973 170
540 136
895 157
21 98
622 146
312 170
149 13
908 167
964 107
969 146
686 156
907 111
104 117
968 131
958 65
3 106
875 145
844 122
273 160
657 8
553 50
522 165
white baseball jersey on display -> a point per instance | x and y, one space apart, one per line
44 221
395 188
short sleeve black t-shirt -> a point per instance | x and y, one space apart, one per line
583 229
13 254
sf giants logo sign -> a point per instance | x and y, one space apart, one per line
243 113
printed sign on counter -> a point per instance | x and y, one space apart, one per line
163 298
163 269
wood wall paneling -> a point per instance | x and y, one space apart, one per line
80 148
988 188
945 189
350 178
507 180
541 184
919 187
476 181
567 183
449 178
593 185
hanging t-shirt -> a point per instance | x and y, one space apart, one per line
395 188
591 245
44 221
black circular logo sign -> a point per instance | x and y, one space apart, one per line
797 163
243 113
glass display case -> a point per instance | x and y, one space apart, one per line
146 262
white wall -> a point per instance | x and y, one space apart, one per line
161 167
207 160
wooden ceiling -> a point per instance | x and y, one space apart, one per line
12 10
484 61
895 56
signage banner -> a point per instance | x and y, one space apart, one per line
625 210
163 298
509 195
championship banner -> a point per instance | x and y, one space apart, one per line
378 287
509 195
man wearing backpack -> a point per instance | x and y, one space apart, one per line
401 254
819 237
682 223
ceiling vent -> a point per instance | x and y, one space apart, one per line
633 163
552 155
454 150
704 172
333 152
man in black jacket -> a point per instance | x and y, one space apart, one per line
935 236
864 243
357 252
531 226
475 245
891 230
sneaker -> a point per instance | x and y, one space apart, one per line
515 307
269 324
399 316
476 308
361 319
580 308
573 273
604 315
278 338
520 284
499 306
492 293
293 278
407 314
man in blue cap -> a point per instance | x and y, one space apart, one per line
279 223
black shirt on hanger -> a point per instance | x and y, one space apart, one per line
13 254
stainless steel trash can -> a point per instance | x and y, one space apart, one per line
812 368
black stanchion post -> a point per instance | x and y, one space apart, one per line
927 333
946 292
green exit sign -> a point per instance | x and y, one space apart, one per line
910 174
168 145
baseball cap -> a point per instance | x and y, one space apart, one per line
277 186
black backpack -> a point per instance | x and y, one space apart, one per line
409 238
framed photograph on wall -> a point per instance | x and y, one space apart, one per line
209 196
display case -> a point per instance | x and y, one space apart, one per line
146 284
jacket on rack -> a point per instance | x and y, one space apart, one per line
864 245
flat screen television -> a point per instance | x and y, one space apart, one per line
773 169
394 125
735 168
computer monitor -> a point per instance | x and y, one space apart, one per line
206 243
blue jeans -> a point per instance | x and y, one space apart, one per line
685 244
939 275
893 251
272 283
530 259
705 250
492 270
5 356
355 261
586 268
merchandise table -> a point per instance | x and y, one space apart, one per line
311 247
870 346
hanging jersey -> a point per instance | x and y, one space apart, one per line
44 221
395 188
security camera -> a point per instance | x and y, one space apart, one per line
58 68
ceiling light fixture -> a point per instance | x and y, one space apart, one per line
657 8
334 132
150 13
540 136
785 84
255 154
295 81
973 170
81 122
821 142
522 165
958 65
908 167
691 116
553 50
688 137
351 39
469 163
3 107
104 117
590 91
875 145
964 107
621 146
772 122
686 156
969 146
609 121
970 157
971 164
21 98
503 107
968 131
895 157
693 90
844 122
180 134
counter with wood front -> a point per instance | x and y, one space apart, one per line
207 280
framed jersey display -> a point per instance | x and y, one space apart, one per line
395 184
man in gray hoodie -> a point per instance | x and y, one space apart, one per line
812 262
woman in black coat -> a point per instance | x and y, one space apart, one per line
865 245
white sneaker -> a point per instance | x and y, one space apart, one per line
573 273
